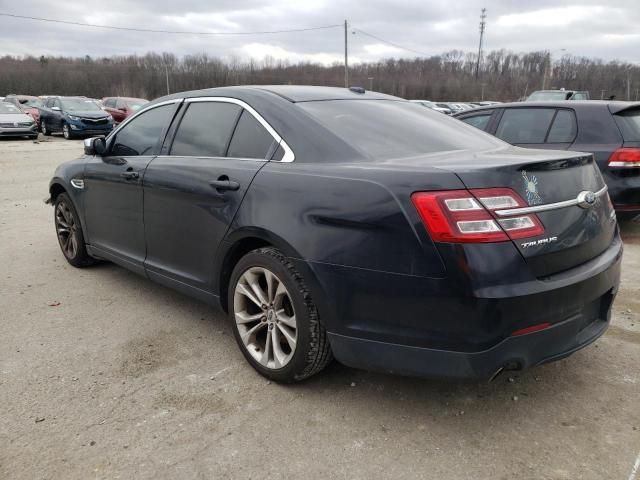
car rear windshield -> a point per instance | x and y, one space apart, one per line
30 102
80 105
382 129
629 124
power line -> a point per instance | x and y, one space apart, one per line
175 32
391 43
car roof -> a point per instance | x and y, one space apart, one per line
292 93
614 106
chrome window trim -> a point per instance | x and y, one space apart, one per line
140 112
288 156
548 206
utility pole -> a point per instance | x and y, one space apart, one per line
483 16
166 72
371 85
629 84
346 57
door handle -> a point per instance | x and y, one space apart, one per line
130 175
223 183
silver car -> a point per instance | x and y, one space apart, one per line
14 123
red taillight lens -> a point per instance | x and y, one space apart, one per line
625 158
467 216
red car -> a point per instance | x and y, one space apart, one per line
121 107
28 104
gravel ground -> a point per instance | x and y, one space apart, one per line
104 374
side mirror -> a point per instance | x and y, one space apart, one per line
56 109
95 146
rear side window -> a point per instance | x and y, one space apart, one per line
205 129
383 129
629 124
141 135
250 139
525 125
110 102
478 121
564 128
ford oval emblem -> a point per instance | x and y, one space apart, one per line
586 199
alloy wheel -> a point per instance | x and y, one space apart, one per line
43 127
65 131
265 317
66 228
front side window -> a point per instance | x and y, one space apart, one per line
141 135
564 128
250 139
525 125
478 121
205 129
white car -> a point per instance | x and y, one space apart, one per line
15 123
432 106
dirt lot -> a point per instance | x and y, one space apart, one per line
104 374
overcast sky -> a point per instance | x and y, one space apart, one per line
608 30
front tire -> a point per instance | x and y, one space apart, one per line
44 129
69 233
66 132
275 321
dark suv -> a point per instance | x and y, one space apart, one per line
74 117
608 129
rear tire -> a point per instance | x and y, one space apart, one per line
69 232
275 320
44 129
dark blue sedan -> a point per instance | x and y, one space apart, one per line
341 223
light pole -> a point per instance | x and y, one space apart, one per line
548 64
370 84
166 73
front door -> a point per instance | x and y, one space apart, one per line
113 188
192 194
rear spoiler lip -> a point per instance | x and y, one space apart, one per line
619 107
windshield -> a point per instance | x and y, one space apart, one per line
136 104
548 96
8 108
383 129
79 105
629 124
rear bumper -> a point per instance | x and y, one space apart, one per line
430 328
513 353
624 190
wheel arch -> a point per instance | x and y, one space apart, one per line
242 241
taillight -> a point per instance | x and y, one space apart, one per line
625 158
461 216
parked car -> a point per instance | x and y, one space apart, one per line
334 222
74 117
432 106
609 130
15 123
455 107
122 107
556 95
28 104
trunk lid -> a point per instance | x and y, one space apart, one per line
573 234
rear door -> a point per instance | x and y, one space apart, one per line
193 190
538 127
113 187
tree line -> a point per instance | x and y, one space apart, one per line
503 75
